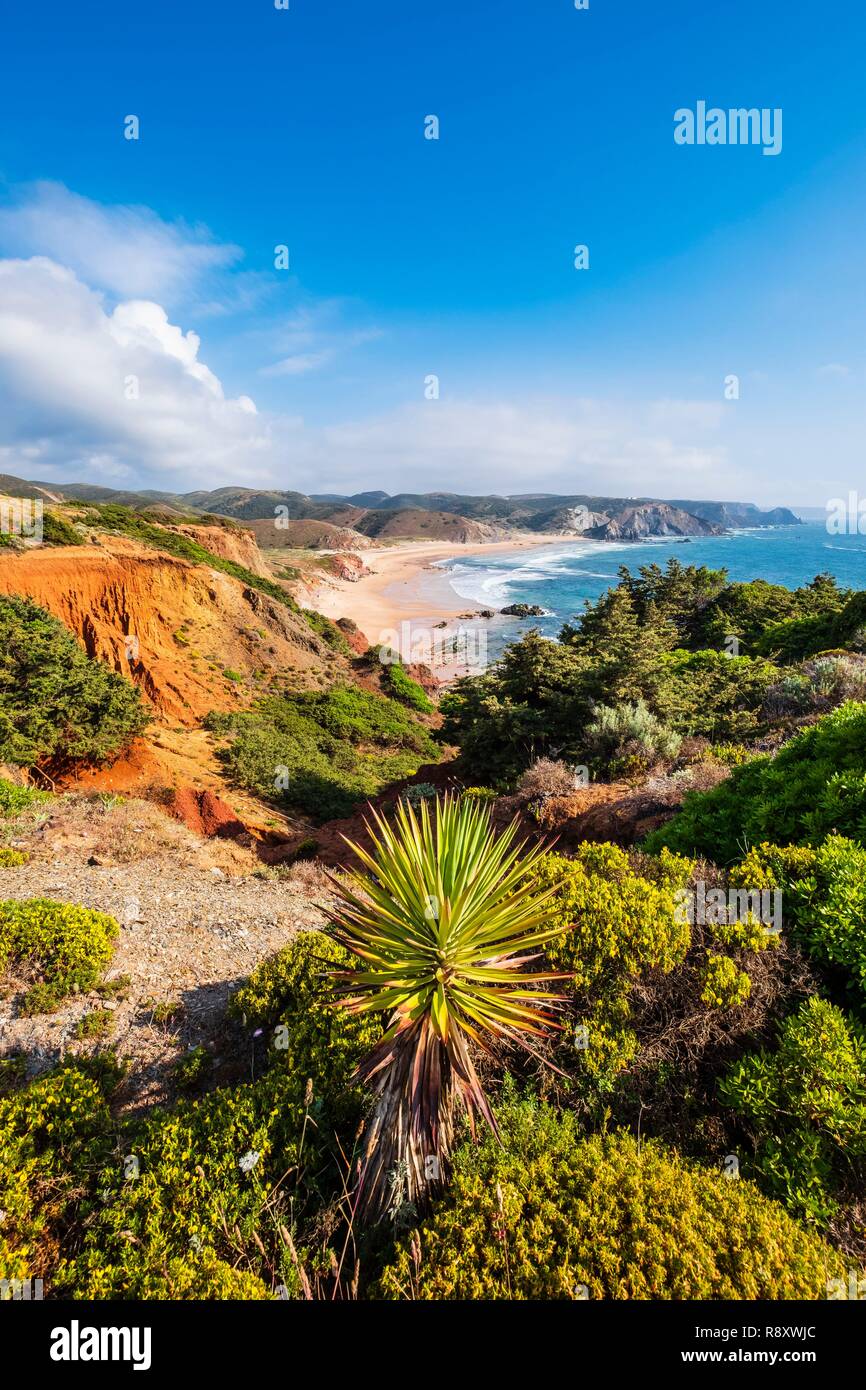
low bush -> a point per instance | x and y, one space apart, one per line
14 798
418 792
290 998
815 784
397 683
824 892
724 984
627 740
67 946
192 1067
546 777
56 530
11 858
806 1105
549 1214
212 1198
616 924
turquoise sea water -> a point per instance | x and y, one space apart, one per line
560 577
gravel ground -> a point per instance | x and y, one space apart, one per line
190 932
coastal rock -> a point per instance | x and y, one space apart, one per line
523 610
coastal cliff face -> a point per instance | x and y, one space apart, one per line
652 519
240 546
171 627
632 523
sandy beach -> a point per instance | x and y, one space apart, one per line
407 592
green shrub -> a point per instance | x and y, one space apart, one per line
290 997
624 739
69 946
56 530
418 792
551 1215
731 754
14 799
724 984
207 1200
97 1023
11 858
402 687
52 1133
55 703
188 1192
711 694
323 752
616 924
824 891
815 784
192 1067
806 1103
479 793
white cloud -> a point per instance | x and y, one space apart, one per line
834 369
127 250
299 363
98 394
622 448
122 393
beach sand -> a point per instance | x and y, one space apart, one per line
406 593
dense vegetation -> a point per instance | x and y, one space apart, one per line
552 1214
57 706
665 654
68 946
323 752
815 784
679 1093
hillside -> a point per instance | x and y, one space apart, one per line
307 535
424 515
416 523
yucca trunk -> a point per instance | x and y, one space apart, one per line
409 1131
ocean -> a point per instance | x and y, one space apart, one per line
559 578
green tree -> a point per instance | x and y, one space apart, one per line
57 706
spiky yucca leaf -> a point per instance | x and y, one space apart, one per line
441 916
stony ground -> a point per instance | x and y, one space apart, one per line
196 916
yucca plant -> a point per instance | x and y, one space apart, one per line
439 916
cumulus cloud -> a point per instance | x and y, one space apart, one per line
120 393
89 392
127 250
102 379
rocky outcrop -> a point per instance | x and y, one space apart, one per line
523 610
230 543
652 519
350 567
739 513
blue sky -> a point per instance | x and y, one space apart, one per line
411 257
